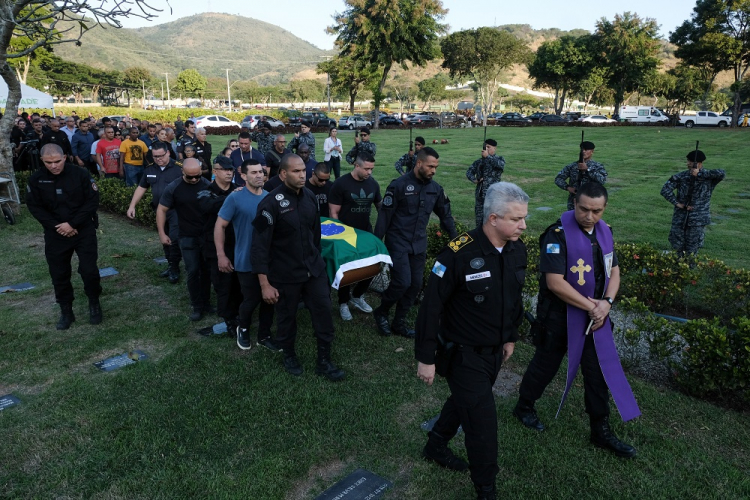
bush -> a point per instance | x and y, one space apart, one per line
114 196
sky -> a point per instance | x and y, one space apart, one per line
309 19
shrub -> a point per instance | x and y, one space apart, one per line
114 196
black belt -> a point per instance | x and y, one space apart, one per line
481 349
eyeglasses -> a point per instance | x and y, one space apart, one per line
160 156
192 177
363 135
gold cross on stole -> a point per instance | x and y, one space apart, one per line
580 269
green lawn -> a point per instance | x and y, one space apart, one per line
200 418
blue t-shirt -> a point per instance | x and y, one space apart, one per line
240 209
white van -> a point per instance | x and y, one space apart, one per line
642 114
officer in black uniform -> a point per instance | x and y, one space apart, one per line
64 198
468 325
550 331
157 176
286 256
407 205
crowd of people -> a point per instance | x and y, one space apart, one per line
247 224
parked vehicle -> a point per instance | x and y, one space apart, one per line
389 120
597 119
253 121
535 117
449 118
705 119
573 115
354 121
513 119
642 114
554 119
214 121
319 119
423 119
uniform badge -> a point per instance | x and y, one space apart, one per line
477 263
283 203
388 200
279 197
438 269
608 259
94 186
478 276
410 187
553 248
478 299
268 217
457 243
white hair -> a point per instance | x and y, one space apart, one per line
499 196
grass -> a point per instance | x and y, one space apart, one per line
200 418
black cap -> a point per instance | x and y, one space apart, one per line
491 142
265 125
306 123
587 145
224 163
701 157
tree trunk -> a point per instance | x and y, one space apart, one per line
379 97
6 122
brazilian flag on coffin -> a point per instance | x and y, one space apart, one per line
345 248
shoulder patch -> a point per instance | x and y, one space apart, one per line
459 242
553 248
94 186
438 269
388 200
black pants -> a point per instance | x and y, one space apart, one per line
316 294
198 277
227 288
335 165
59 250
252 298
356 290
172 251
406 282
472 406
545 364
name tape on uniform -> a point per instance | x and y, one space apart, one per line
477 276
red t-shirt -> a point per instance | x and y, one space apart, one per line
110 151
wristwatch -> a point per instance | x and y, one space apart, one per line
610 300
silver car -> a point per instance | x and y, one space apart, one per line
354 121
253 120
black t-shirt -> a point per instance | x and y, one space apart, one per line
356 199
183 197
322 193
272 183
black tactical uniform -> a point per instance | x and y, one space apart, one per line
474 300
286 248
73 197
403 218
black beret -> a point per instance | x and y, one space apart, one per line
420 140
491 142
224 163
691 156
306 123
365 130
265 125
587 145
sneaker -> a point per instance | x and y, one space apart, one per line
269 344
359 303
243 339
346 315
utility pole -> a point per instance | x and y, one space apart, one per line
143 83
328 82
168 97
229 96
162 93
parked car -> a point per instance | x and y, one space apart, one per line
423 119
554 119
253 120
214 121
705 119
535 116
391 121
572 115
354 121
597 119
513 119
319 119
449 118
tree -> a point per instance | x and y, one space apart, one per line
349 76
717 38
559 65
382 33
307 90
136 77
191 83
402 90
482 55
683 86
48 23
628 47
433 89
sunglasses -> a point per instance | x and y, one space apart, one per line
363 135
161 156
234 146
192 177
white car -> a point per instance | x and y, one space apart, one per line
253 120
597 119
214 121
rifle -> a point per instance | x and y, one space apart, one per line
484 145
411 143
580 153
579 179
691 187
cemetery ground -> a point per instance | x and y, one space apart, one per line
200 418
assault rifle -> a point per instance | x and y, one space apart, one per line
691 188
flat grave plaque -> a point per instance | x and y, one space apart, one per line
160 260
20 287
359 485
733 210
108 271
217 329
8 400
125 359
544 209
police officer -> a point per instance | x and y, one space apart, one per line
286 256
470 315
264 138
407 205
304 136
692 205
580 279
64 199
485 172
362 144
406 163
575 174
157 176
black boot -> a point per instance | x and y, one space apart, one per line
174 272
437 450
291 363
603 437
66 317
486 492
398 327
325 366
381 322
95 312
527 415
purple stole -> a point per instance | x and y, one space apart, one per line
580 275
